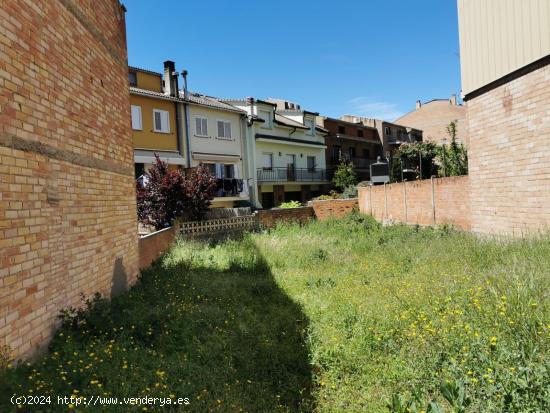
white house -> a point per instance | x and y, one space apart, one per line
284 153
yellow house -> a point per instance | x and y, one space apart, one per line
155 120
186 129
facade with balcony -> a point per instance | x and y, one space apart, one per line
187 129
353 142
285 152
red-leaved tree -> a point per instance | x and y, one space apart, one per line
165 195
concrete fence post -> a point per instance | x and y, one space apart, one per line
370 200
405 199
385 203
433 199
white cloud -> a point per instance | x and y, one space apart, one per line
363 106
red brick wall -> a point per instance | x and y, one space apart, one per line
451 196
509 156
269 217
154 245
333 208
67 198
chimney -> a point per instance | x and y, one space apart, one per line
170 79
418 104
184 76
452 101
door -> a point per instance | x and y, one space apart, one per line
291 167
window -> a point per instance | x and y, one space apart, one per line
139 169
132 78
136 118
266 116
342 130
336 152
229 171
360 133
201 126
399 131
311 163
351 152
267 161
311 125
387 131
224 129
161 121
366 154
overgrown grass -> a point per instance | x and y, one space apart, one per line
341 316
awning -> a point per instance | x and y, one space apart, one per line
204 156
145 156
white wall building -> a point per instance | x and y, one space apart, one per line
285 151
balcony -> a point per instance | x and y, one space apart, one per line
226 187
292 175
357 162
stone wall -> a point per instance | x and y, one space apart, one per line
67 198
427 202
268 218
334 208
509 156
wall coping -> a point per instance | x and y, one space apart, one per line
152 234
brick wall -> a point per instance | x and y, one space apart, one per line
413 202
509 156
434 117
153 245
67 198
269 217
333 208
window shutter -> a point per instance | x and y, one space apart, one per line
220 129
204 128
165 121
136 117
198 126
158 121
227 130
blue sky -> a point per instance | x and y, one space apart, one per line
371 58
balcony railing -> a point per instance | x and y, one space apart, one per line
292 175
357 162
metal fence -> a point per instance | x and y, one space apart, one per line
292 175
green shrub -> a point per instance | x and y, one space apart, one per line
290 204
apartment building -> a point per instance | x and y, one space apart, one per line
390 134
186 129
505 70
433 117
285 151
353 142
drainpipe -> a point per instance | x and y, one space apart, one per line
186 111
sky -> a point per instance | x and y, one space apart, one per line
370 58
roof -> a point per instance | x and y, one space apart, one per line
138 69
357 124
283 120
210 101
150 93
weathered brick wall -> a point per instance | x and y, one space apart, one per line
153 245
268 218
67 198
334 208
509 156
413 202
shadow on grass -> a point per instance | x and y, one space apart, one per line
226 339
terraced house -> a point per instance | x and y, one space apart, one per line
187 129
285 151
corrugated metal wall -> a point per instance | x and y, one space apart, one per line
500 36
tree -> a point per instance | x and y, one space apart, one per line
453 158
345 175
169 194
418 157
200 187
